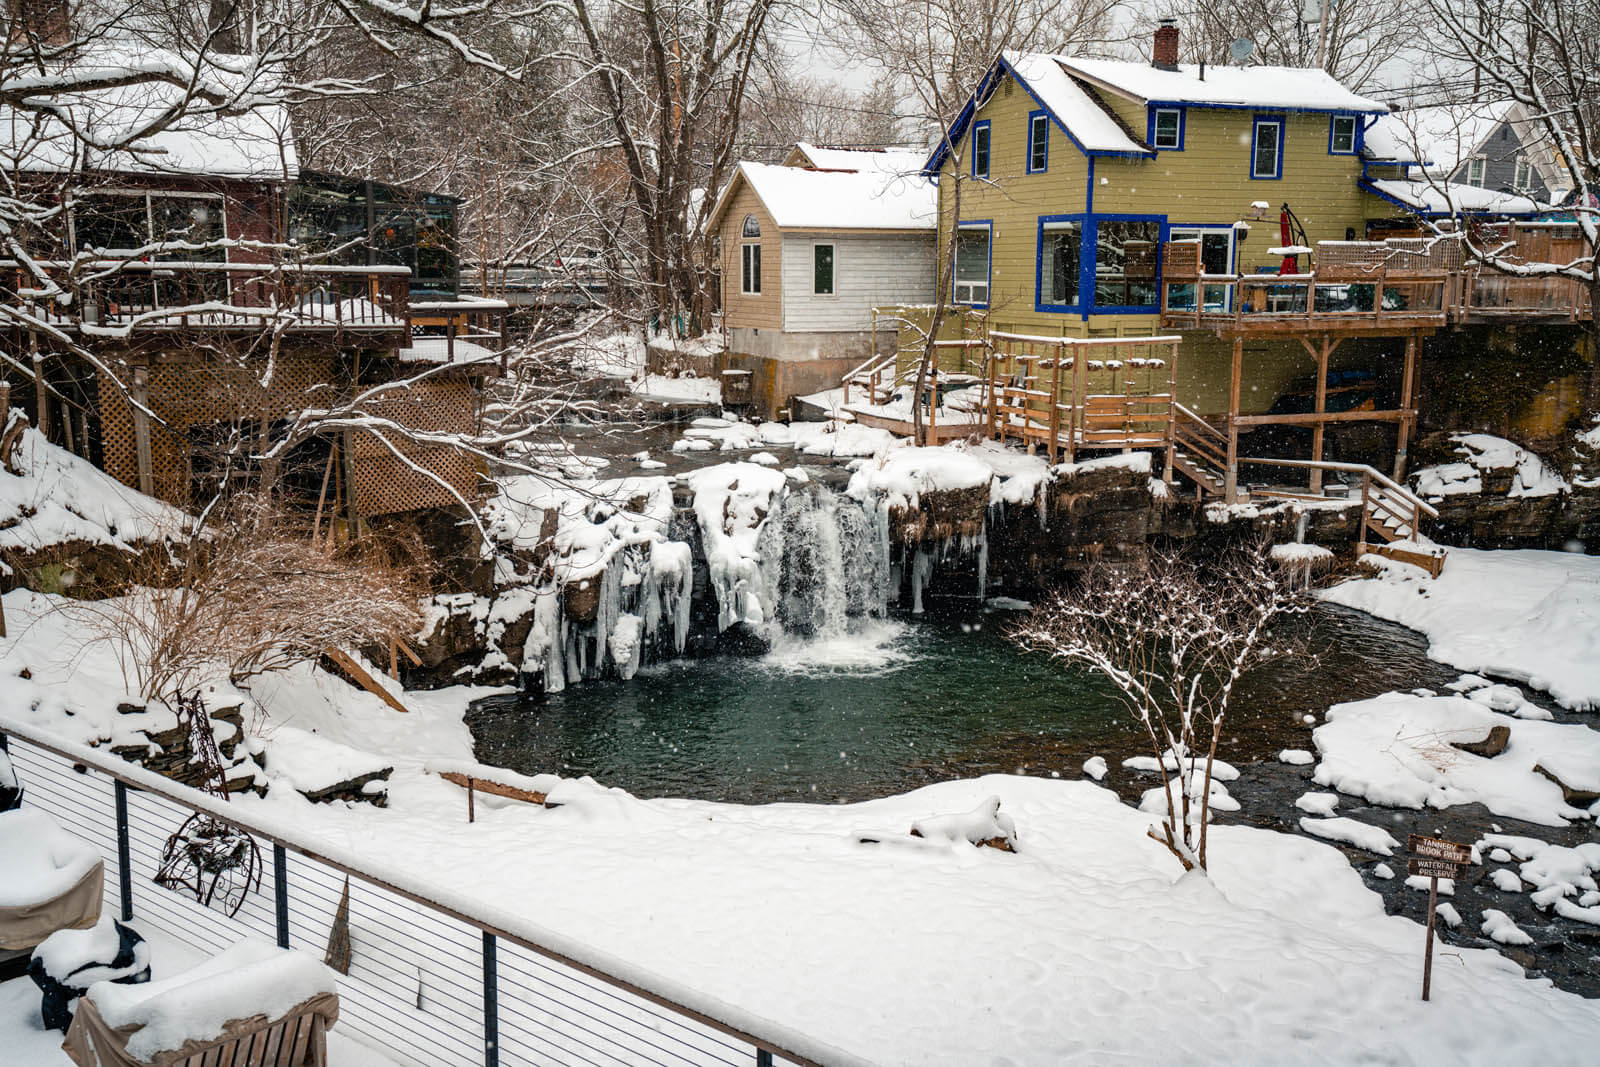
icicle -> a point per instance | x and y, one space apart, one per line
921 571
983 563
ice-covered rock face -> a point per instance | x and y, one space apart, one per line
785 555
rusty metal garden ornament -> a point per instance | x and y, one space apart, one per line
219 863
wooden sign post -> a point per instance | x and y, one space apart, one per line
1434 858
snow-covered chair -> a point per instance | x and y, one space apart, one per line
68 962
49 880
254 1003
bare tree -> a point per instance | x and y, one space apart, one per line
1174 639
247 596
1354 42
938 49
1545 55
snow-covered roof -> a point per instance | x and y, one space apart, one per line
257 144
1077 113
879 160
1281 88
800 199
1444 198
1436 137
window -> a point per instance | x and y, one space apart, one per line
1475 168
1524 179
1166 128
1342 135
1038 142
1060 255
1216 257
972 265
1125 256
122 222
1266 149
751 227
980 150
822 270
750 269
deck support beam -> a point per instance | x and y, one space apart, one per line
1230 488
1408 387
141 430
1321 353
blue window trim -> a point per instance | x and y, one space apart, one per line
1150 129
988 148
1039 303
1033 123
973 224
1086 268
1355 134
1255 129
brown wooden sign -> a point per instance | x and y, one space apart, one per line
1437 848
1434 858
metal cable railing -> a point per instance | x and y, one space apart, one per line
429 983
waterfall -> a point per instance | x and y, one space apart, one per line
822 563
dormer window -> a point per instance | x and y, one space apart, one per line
1342 135
1166 129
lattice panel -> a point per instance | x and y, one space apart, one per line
385 484
188 394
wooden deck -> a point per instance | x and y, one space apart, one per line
1398 287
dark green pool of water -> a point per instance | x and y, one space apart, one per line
902 705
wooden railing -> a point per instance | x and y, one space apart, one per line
1068 393
116 296
1199 437
1401 283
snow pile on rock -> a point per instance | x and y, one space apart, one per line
1482 453
588 567
985 824
1526 615
1404 750
732 501
60 498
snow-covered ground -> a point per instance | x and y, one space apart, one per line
1526 615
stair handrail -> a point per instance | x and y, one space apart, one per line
1353 468
873 366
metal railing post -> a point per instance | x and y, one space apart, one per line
124 857
280 893
491 1003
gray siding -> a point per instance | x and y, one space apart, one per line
1500 153
869 270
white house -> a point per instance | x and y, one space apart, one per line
807 251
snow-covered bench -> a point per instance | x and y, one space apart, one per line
49 880
253 1003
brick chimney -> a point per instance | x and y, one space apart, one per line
45 20
1164 55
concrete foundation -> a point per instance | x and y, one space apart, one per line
786 365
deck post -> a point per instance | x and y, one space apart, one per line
141 431
1408 387
1230 489
1319 430
1075 413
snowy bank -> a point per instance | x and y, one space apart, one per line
1526 615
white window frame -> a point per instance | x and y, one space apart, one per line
1038 143
972 286
1524 173
1477 169
1177 128
1333 135
833 268
746 274
1277 149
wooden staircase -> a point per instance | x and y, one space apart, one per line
1199 451
873 382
